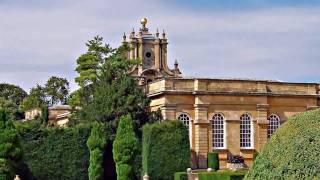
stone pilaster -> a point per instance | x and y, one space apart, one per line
201 123
157 53
140 54
168 111
262 123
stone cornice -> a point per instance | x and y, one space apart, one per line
202 106
169 106
229 93
262 106
312 107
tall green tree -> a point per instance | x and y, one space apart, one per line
89 67
125 148
56 90
106 90
10 149
11 97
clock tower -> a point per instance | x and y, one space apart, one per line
151 49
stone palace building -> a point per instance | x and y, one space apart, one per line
234 116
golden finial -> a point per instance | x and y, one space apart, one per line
144 21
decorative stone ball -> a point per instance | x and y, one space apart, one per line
17 177
209 169
189 170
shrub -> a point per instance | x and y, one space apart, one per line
213 160
10 148
292 152
180 176
96 143
222 175
125 148
165 149
255 154
54 153
215 175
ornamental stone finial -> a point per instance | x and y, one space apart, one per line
124 37
163 34
144 21
157 33
132 33
176 64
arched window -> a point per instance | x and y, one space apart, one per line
246 131
218 131
184 118
274 123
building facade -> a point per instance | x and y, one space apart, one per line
234 116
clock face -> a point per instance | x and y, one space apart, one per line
148 58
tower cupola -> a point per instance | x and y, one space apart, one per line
152 51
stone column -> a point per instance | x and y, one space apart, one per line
262 123
168 111
201 123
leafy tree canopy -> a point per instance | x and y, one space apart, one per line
106 91
12 92
36 98
11 97
55 91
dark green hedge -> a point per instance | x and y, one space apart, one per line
293 150
213 160
53 153
222 175
180 176
255 155
165 149
215 175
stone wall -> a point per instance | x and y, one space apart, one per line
202 98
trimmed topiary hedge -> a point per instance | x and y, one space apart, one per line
213 160
125 148
222 175
54 153
180 176
293 150
255 155
165 150
215 175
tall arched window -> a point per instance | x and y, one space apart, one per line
184 118
274 123
246 131
218 131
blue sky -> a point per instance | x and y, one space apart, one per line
261 39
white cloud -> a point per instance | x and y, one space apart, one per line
37 41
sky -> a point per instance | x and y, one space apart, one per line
259 39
